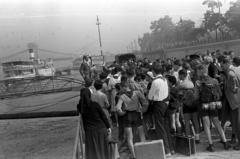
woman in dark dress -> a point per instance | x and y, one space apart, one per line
96 127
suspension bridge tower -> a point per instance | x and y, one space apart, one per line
33 50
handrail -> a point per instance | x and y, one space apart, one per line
78 152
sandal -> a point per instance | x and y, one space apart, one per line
236 147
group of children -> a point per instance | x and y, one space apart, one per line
192 101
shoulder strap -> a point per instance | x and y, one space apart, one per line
160 77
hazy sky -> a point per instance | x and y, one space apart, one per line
70 25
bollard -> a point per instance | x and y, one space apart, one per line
151 149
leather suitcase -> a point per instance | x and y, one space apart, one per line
150 150
184 144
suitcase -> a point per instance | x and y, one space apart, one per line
152 149
184 144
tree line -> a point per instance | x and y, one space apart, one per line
215 26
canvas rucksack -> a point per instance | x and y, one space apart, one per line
189 98
209 93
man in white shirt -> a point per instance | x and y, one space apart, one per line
158 95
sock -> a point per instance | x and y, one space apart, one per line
197 136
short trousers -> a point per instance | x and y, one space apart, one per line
211 113
132 119
175 110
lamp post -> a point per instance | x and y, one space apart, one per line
98 24
181 22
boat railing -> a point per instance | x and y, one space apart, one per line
79 147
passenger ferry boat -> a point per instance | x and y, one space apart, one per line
26 69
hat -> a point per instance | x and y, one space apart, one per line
194 56
150 74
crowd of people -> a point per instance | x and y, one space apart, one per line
184 96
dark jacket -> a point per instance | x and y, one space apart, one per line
85 69
94 118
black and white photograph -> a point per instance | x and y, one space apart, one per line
119 79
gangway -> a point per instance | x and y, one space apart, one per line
37 85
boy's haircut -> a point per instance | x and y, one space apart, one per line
143 76
107 71
157 68
124 84
117 69
202 67
137 78
213 53
98 84
114 71
169 68
186 65
226 61
88 82
177 62
118 87
183 72
171 79
124 78
103 76
131 72
236 60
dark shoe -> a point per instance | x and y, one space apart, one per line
172 131
226 145
221 142
233 139
210 148
197 141
237 148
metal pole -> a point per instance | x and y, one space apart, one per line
220 21
132 47
98 24
135 44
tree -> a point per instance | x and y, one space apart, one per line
162 31
212 4
183 30
211 20
145 42
233 16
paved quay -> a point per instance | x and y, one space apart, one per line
39 138
220 152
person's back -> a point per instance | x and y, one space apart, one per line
93 119
133 85
132 100
100 98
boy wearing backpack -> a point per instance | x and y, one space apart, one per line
207 90
174 106
186 87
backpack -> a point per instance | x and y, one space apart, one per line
209 93
189 98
